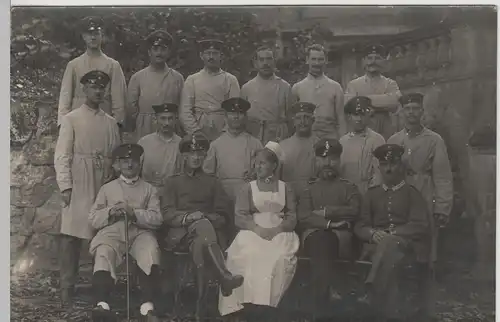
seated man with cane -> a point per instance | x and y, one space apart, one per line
395 222
126 212
195 208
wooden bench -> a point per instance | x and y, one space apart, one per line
178 268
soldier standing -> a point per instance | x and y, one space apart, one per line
154 85
204 92
383 92
323 92
428 170
161 148
299 164
358 165
231 156
72 95
269 96
83 164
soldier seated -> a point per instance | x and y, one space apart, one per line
394 221
195 209
327 209
130 196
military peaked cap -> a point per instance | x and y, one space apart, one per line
389 152
210 44
124 151
159 38
326 147
166 108
194 142
96 77
375 49
358 105
91 23
412 98
236 104
302 107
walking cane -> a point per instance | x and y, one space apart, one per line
127 268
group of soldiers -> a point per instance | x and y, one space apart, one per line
179 191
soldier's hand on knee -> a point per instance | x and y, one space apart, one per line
378 236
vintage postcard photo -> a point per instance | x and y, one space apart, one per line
251 164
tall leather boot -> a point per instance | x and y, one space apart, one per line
69 249
201 296
228 281
102 284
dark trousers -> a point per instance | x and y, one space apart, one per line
69 260
201 234
322 247
384 274
103 284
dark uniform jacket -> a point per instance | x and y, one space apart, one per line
401 209
342 201
185 193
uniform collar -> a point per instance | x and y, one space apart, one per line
320 78
260 78
369 78
165 139
129 181
204 70
95 112
394 188
364 133
194 174
407 132
166 69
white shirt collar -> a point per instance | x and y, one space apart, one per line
129 181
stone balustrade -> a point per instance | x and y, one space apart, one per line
421 60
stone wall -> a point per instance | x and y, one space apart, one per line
35 203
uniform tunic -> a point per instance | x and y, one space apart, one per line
270 100
161 158
328 97
429 168
201 100
186 193
83 162
429 171
358 165
229 157
72 96
402 209
108 245
384 93
149 87
344 200
299 164
267 266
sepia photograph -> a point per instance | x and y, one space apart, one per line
270 163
